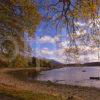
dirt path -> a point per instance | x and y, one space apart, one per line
83 92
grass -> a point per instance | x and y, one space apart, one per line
7 93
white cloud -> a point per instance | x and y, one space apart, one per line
64 44
60 56
48 39
43 53
46 51
89 58
57 54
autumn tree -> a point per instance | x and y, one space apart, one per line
16 18
20 62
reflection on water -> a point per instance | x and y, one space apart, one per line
72 75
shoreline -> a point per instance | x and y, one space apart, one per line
8 71
86 93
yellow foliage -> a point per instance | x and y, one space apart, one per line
20 61
86 9
28 20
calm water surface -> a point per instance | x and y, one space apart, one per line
72 75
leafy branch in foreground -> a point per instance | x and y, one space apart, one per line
81 18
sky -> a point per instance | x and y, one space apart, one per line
51 43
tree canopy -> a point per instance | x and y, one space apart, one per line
17 17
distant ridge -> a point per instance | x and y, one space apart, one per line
92 64
85 64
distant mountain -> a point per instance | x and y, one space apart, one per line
54 61
85 64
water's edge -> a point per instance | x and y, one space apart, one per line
78 76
